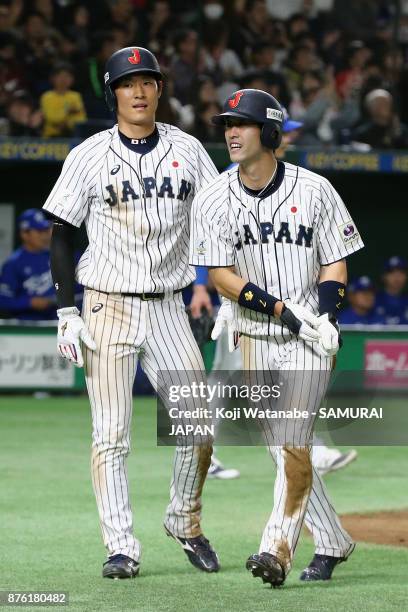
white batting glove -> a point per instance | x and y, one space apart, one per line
225 317
301 322
72 329
329 335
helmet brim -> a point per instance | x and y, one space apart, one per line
221 119
133 70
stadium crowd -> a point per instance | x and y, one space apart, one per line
339 67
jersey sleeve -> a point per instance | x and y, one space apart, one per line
211 241
205 170
69 198
337 234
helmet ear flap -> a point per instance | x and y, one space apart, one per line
271 135
110 98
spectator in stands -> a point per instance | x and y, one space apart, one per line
221 63
302 60
90 76
78 30
358 18
186 65
13 78
26 287
204 128
40 50
10 14
62 107
316 108
381 128
392 302
23 118
254 26
161 26
361 296
351 78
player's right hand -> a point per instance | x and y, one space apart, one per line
225 317
300 321
72 329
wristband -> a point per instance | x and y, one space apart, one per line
257 299
331 296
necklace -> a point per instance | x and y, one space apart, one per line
268 184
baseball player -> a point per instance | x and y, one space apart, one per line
26 289
227 357
132 186
275 237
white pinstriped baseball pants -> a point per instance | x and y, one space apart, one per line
299 492
158 333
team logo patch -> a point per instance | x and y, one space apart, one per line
348 232
233 103
97 307
115 169
135 58
248 296
273 113
106 77
201 248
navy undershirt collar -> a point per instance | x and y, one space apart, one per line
141 145
274 185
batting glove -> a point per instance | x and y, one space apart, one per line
300 321
225 317
330 341
72 329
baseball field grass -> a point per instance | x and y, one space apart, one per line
50 537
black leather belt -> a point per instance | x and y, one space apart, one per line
146 296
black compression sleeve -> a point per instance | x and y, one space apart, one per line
63 263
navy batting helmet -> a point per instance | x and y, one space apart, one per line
259 107
127 61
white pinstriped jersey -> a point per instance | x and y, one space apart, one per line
279 242
136 209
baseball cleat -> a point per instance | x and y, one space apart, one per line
198 551
119 567
335 461
217 470
267 567
321 567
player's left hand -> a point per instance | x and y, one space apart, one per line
72 329
301 321
201 299
328 328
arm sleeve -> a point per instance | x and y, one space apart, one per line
204 168
69 198
337 234
201 276
62 258
10 300
211 242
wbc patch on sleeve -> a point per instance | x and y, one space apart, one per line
348 232
201 247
